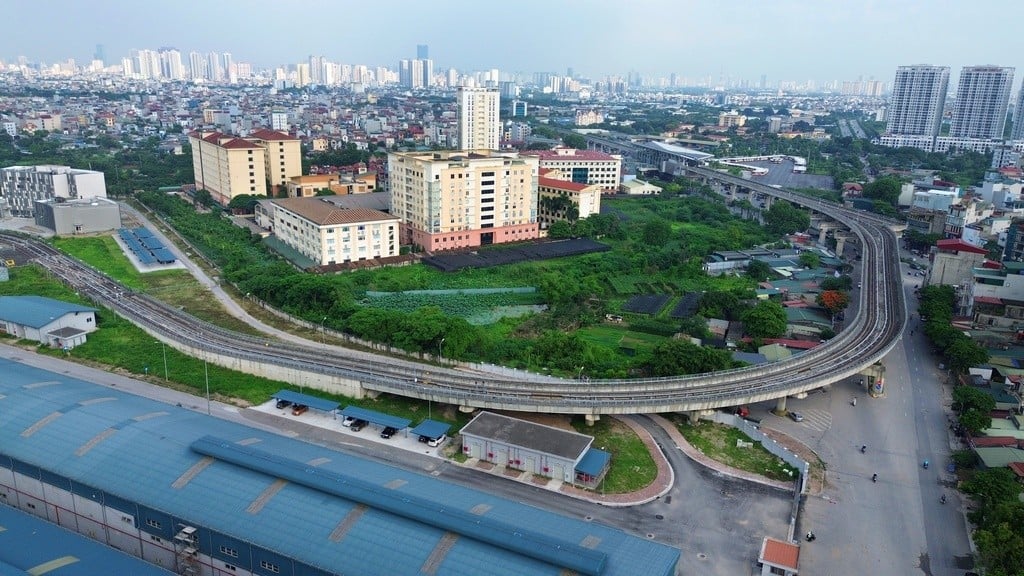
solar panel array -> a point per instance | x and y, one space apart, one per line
146 247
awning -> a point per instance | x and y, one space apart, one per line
593 462
431 429
311 401
374 417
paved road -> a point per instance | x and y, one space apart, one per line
897 525
716 521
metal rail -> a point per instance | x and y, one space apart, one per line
869 336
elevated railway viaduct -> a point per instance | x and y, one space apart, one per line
865 340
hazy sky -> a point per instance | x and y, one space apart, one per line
783 39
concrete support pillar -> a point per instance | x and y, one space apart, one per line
822 235
592 418
780 406
466 409
840 243
693 416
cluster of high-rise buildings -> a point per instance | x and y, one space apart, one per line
171 64
977 119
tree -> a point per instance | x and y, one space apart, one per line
964 353
759 270
886 189
833 301
574 140
810 260
678 356
244 202
784 218
766 320
204 198
656 232
325 192
559 229
970 398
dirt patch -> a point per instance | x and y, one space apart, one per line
539 480
484 465
816 482
512 472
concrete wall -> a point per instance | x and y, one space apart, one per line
519 458
751 429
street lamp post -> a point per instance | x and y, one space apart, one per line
206 369
323 331
439 352
163 347
579 376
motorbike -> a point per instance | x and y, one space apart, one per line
925 464
943 499
874 477
863 449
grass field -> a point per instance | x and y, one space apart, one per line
718 442
175 287
632 467
618 336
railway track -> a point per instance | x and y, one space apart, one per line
865 340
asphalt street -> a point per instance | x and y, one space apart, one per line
716 521
896 525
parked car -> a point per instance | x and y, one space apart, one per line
282 404
358 425
435 442
388 432
348 421
424 439
796 416
299 409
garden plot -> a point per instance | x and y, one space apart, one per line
687 306
646 303
478 306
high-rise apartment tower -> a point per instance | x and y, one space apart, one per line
479 123
918 95
981 102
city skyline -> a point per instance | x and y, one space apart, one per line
721 42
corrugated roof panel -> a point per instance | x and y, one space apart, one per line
297 521
311 401
28 543
374 417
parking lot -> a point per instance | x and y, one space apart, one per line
335 422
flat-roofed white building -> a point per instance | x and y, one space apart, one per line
23 186
327 234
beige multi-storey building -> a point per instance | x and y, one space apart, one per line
479 123
283 156
454 199
583 166
551 186
328 234
227 166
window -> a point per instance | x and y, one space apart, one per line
229 551
269 566
153 523
229 567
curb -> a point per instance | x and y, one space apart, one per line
700 458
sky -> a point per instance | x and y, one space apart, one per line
796 40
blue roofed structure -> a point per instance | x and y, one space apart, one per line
30 545
271 504
374 417
431 429
36 311
311 401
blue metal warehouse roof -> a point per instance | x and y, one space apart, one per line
36 311
311 401
431 429
375 417
30 545
98 437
